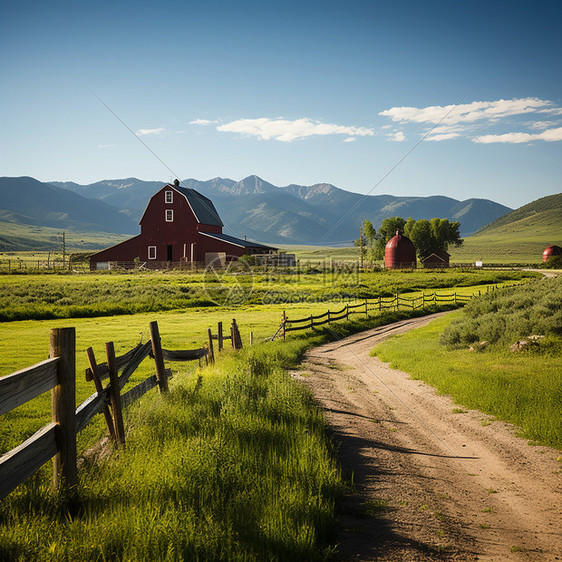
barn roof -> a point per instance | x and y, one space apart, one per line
201 206
236 241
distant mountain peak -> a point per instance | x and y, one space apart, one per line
292 214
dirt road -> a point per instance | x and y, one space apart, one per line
432 481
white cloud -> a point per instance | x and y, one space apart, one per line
550 135
539 125
106 145
202 122
397 137
468 112
142 132
442 136
350 139
287 131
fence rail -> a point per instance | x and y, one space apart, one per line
379 304
58 374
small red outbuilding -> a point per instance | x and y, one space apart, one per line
179 225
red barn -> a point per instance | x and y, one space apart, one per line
178 225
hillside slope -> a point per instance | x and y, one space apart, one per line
519 236
26 201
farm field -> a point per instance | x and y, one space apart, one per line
36 296
245 410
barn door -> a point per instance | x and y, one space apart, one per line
169 252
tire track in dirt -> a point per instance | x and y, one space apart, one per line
429 484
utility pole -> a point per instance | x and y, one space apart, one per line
63 248
361 246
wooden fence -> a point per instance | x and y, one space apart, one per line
379 304
58 374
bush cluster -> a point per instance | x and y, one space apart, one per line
507 315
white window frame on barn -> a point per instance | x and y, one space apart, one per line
152 252
169 196
169 215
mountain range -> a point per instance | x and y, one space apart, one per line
295 214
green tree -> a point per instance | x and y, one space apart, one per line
433 236
370 234
386 232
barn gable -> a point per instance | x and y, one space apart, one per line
179 225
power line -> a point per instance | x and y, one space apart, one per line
354 206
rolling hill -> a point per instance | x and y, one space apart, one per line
519 236
26 201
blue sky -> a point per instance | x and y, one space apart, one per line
295 92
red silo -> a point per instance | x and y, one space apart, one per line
552 250
400 253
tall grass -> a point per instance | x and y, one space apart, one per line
233 464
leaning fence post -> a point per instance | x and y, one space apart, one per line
63 399
115 394
284 322
211 350
220 335
158 358
99 390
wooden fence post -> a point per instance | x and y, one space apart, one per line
158 359
251 338
63 399
311 321
99 390
211 350
329 318
366 310
236 338
220 335
455 295
347 311
397 303
423 301
115 393
284 322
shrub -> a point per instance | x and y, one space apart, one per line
508 315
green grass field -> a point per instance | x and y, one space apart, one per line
19 239
36 296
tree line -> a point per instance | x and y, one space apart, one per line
428 236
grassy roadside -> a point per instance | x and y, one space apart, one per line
234 464
523 388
